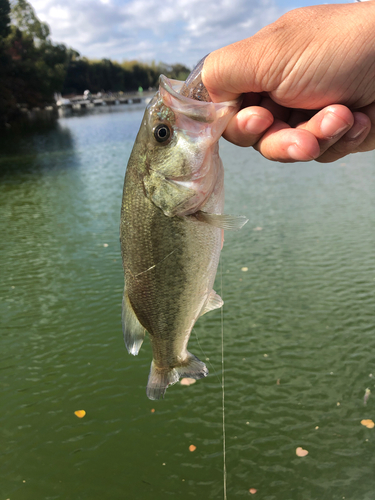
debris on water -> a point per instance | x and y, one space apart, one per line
153 410
317 427
187 381
278 381
244 269
366 396
192 447
257 228
80 413
252 491
338 403
367 422
300 452
105 245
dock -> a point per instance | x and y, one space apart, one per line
78 102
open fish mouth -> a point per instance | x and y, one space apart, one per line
201 111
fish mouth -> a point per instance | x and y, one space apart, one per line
201 111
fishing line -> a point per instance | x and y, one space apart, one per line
222 381
223 384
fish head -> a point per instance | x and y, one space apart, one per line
178 153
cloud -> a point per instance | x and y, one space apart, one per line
169 31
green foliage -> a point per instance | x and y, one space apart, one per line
105 75
24 17
35 71
4 18
33 68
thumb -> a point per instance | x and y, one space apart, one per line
237 69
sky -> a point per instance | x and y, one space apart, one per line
169 31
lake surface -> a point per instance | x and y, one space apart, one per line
299 332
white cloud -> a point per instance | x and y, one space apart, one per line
170 31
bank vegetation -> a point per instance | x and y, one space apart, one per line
33 68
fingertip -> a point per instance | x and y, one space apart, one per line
362 124
288 145
336 120
297 153
255 120
247 126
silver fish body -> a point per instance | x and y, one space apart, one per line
172 229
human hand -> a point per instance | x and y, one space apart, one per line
292 74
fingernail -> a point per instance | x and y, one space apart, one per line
332 125
356 130
297 154
256 124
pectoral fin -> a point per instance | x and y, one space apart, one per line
222 221
214 301
134 333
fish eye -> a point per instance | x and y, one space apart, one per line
162 133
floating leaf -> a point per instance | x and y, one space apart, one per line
368 423
252 491
80 413
187 381
192 447
300 452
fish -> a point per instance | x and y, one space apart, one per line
172 225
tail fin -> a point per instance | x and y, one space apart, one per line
159 380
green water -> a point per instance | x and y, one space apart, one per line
298 328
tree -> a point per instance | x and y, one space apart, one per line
32 66
4 18
24 17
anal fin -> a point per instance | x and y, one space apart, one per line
134 333
214 301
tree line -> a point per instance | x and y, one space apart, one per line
33 68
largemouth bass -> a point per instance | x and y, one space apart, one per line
172 226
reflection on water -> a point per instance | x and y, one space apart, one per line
298 324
